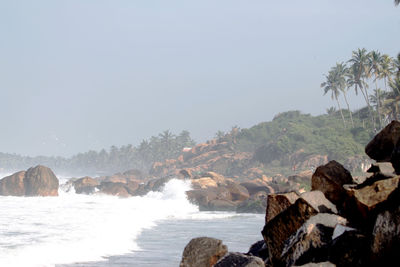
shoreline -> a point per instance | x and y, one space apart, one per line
174 235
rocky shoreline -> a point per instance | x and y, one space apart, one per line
342 221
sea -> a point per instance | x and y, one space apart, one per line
100 230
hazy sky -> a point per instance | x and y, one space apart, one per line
80 75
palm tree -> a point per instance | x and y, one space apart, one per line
331 85
393 99
339 74
375 66
330 111
377 100
396 65
359 70
386 71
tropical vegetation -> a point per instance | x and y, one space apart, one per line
116 159
365 70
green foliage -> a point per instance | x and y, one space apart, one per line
292 131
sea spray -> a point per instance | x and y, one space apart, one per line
44 231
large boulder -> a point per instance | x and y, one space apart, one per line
238 192
386 236
40 181
132 187
381 147
311 241
221 198
203 252
239 259
13 185
368 199
85 185
222 205
349 249
259 249
330 179
276 203
384 169
257 203
286 223
201 197
254 188
203 183
115 189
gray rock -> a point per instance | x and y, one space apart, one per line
239 260
384 168
319 202
203 252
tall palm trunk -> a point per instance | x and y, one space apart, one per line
365 94
348 107
341 113
378 104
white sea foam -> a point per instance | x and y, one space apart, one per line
44 231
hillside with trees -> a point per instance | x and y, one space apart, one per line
156 148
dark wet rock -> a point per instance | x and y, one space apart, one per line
311 241
349 249
381 147
286 223
276 203
280 228
385 244
330 179
234 259
203 252
259 249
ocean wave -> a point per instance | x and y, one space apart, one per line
44 231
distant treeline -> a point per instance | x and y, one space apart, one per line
117 159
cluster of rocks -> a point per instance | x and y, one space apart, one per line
222 157
36 181
342 221
212 191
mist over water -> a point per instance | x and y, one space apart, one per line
44 231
